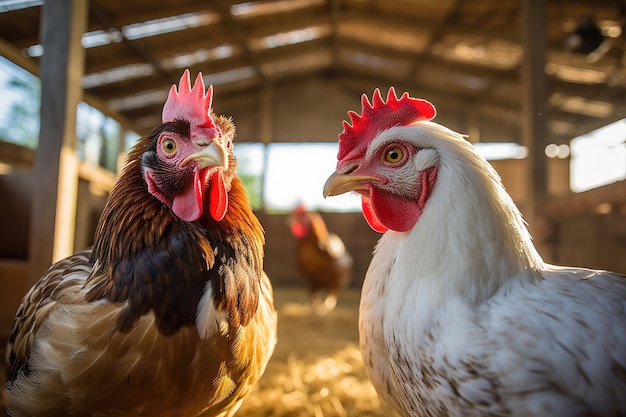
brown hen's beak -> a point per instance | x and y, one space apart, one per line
339 183
212 155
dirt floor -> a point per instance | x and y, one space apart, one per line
317 368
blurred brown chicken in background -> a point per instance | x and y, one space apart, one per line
321 258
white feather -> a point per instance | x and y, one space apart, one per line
208 320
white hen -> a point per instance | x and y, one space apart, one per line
459 315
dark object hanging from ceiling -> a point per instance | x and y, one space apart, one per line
586 38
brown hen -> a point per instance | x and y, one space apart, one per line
321 258
170 313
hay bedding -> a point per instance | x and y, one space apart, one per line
316 369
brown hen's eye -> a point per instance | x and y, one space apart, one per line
394 155
169 146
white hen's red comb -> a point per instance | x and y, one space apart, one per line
378 116
192 105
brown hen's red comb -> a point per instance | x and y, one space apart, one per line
378 116
192 105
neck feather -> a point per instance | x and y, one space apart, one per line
142 248
471 237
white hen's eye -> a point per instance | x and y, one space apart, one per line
393 155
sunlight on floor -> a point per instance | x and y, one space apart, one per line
317 368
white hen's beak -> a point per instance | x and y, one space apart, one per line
212 155
339 183
344 180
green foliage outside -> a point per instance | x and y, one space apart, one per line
20 121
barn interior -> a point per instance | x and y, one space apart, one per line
545 79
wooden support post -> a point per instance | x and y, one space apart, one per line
121 151
265 132
55 173
535 118
266 128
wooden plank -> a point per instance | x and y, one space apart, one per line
16 192
610 197
56 164
14 284
534 106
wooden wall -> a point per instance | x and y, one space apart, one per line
15 210
594 241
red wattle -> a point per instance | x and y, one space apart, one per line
218 197
384 210
370 216
299 230
188 204
395 212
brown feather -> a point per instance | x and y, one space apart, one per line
113 330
